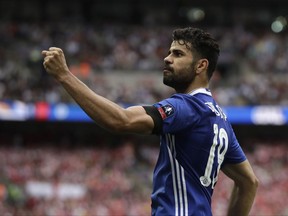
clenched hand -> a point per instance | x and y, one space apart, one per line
55 62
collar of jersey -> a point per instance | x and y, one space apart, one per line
201 91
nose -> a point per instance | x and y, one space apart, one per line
168 59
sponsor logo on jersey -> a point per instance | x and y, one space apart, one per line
166 111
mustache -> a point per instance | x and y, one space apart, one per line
166 67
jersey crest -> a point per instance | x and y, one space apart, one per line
166 111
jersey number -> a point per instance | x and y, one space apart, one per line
218 148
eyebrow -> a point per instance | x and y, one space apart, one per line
176 50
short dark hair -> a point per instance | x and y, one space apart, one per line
201 42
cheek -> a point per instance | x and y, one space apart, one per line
187 70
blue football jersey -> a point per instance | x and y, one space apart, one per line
196 141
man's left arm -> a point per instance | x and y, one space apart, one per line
244 190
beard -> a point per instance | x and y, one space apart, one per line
181 79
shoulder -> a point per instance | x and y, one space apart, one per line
186 103
176 103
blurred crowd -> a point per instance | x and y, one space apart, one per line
113 180
252 66
118 180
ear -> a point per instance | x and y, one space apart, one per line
202 66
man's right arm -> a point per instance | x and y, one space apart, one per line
104 112
245 187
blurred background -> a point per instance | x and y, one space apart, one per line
55 161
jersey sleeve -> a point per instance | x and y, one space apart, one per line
176 113
235 153
157 119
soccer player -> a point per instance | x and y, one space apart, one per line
197 140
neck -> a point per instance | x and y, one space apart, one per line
192 87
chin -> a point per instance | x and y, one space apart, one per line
166 82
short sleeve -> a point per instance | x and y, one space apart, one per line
235 153
177 113
157 118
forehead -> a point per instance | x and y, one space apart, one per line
180 45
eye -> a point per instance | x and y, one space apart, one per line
178 53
